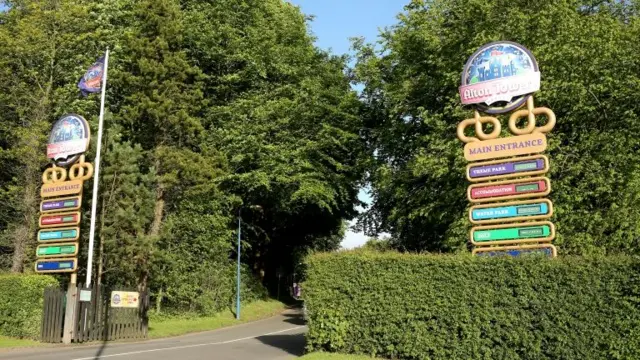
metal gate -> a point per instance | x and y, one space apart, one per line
95 319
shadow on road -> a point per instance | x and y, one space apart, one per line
100 350
292 344
295 319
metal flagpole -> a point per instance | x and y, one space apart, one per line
238 273
96 174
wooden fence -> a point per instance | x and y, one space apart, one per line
95 320
52 315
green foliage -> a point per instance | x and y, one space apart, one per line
330 356
21 303
374 244
403 306
213 108
587 52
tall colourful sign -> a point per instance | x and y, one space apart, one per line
61 194
508 186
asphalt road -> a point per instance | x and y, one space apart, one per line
280 337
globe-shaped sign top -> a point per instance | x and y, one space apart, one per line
499 77
68 139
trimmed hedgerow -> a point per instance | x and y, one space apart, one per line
457 307
21 303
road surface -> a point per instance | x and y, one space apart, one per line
280 337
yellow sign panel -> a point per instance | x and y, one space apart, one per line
73 187
125 299
505 147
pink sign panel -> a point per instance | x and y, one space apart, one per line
64 149
503 89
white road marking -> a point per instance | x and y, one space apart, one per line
189 346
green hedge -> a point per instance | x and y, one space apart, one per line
459 307
21 301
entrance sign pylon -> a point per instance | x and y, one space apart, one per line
508 186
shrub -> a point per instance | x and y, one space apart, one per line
21 303
459 307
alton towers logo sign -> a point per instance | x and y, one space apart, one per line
499 77
68 139
507 192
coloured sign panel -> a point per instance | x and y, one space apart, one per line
509 189
512 233
56 265
505 147
126 299
68 139
73 187
497 169
61 219
63 204
59 235
57 250
498 76
515 211
516 251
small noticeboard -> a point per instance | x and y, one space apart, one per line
85 295
125 299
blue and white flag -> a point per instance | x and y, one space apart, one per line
91 82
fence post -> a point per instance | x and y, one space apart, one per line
70 324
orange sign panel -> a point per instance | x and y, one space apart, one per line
505 147
73 187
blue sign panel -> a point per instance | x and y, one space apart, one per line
59 235
502 212
60 265
517 252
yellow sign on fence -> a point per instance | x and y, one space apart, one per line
125 299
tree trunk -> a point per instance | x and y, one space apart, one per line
24 233
159 300
158 212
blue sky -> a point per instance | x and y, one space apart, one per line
338 20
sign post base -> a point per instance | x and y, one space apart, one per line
69 328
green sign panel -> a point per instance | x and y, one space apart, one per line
57 250
513 233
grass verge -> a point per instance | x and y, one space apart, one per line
331 356
180 325
9 342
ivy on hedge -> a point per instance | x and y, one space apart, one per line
21 303
404 306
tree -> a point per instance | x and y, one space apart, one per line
43 51
590 75
286 119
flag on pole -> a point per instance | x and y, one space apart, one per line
91 81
